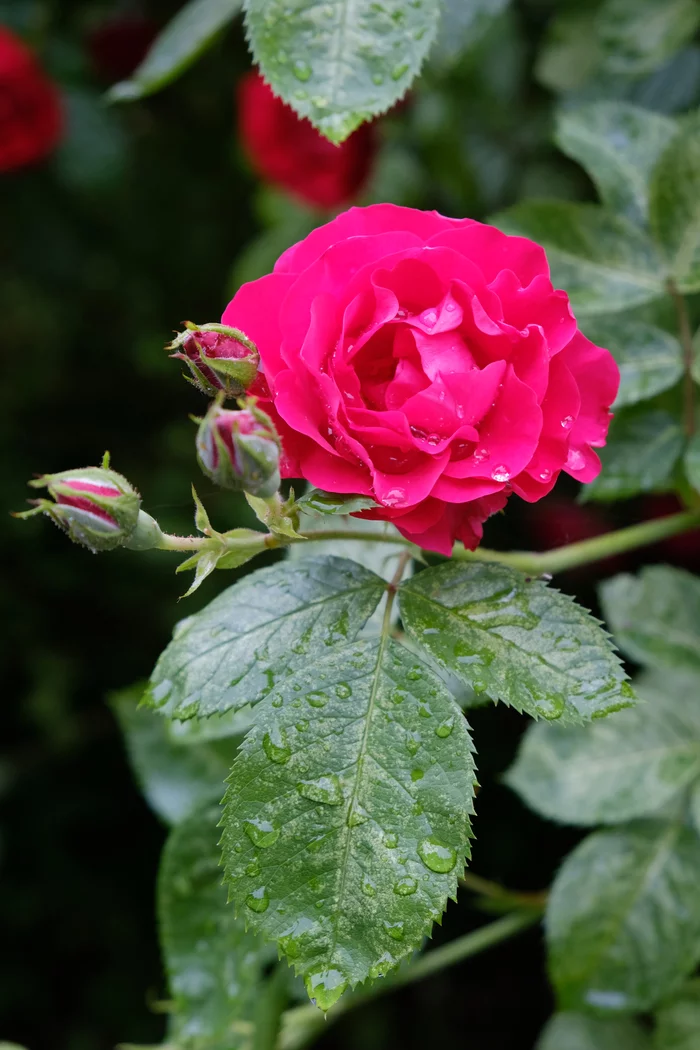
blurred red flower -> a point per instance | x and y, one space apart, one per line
31 118
118 45
286 150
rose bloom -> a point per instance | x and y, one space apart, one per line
286 150
428 363
30 109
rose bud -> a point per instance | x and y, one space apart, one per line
96 506
240 450
220 358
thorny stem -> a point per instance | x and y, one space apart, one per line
302 1024
686 338
535 563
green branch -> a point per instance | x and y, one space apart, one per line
560 559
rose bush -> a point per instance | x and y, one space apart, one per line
290 152
30 108
429 363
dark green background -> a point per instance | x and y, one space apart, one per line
135 224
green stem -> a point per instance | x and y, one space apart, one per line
511 898
560 559
301 1025
686 338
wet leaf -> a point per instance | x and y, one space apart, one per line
347 816
643 448
515 639
623 920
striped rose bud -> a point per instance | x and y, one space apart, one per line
219 358
240 450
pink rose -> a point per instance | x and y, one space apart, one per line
428 363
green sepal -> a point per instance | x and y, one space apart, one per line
281 517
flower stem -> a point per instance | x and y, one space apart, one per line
504 896
560 559
301 1025
686 337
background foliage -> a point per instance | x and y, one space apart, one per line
149 213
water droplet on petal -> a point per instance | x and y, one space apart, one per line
437 856
500 473
258 900
261 832
405 886
429 318
567 422
481 454
323 789
545 474
575 460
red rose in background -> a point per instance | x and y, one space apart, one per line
429 363
288 151
30 108
118 45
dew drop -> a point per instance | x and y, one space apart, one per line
324 789
277 701
368 887
567 422
394 929
302 726
391 840
357 815
276 747
424 711
481 454
500 473
377 79
575 460
253 869
398 696
282 57
301 70
393 496
414 674
405 886
437 856
445 728
261 832
428 317
326 987
545 474
343 691
398 71
417 774
382 966
317 699
258 900
413 742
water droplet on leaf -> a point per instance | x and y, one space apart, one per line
437 856
324 789
261 832
258 900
